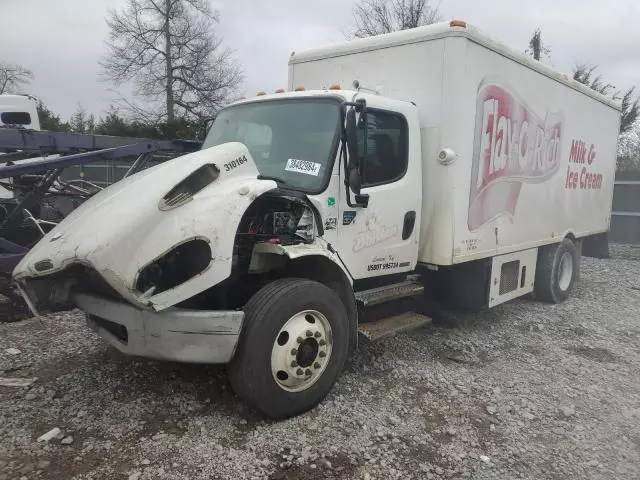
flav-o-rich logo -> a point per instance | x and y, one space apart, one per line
512 146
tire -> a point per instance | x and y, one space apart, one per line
557 271
274 309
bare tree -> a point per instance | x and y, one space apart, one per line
587 75
375 17
536 46
13 77
168 49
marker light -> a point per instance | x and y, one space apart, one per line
458 23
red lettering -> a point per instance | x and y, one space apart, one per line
573 153
582 179
592 154
579 153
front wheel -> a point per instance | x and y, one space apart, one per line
292 348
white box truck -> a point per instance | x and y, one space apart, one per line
455 168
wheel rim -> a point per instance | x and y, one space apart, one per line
301 351
565 272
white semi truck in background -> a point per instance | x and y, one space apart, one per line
454 168
17 111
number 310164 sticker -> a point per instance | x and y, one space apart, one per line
303 166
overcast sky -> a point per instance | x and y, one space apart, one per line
61 41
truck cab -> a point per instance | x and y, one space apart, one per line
298 140
18 111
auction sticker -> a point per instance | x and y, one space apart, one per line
303 166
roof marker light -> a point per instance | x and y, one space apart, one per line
260 93
335 86
458 23
299 89
280 90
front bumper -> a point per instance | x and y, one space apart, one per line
192 336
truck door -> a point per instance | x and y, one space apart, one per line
382 238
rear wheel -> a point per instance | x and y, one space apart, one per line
293 346
557 271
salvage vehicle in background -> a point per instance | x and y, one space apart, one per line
472 177
43 178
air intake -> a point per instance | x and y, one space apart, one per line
187 188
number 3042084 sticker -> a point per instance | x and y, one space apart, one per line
303 166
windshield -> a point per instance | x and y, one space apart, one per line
293 140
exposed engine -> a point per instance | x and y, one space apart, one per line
272 219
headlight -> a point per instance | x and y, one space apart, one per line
181 263
184 191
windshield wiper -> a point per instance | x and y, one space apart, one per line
269 177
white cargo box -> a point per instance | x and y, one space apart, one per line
535 151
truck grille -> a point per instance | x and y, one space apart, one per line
52 293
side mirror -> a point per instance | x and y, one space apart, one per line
355 180
352 139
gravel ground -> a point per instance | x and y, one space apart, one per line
525 391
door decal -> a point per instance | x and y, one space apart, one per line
348 217
373 234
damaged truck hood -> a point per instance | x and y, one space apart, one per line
122 229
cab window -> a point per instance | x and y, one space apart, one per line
387 147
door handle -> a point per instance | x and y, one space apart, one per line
409 223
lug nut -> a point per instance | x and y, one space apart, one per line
316 365
307 372
294 351
294 364
299 371
299 340
322 343
309 333
317 335
322 354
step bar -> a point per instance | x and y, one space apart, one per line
376 296
390 326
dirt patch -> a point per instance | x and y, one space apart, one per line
596 354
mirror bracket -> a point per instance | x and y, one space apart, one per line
362 200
